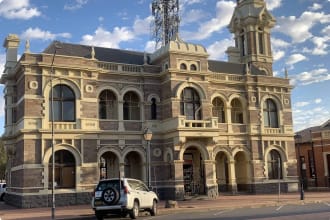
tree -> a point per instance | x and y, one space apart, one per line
3 160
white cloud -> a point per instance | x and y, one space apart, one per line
18 9
317 101
192 16
2 63
272 4
223 15
142 26
150 46
301 104
77 4
326 30
295 58
104 38
37 33
314 76
315 7
306 118
217 49
302 25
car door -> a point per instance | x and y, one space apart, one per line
146 199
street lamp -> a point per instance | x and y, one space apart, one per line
56 46
147 136
297 137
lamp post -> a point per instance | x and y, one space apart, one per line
56 46
297 137
147 136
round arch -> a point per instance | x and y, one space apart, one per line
200 90
153 96
275 98
222 97
109 149
111 88
202 150
130 89
67 147
57 81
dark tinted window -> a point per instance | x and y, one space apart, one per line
109 183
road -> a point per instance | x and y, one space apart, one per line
314 211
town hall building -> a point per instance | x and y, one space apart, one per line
216 126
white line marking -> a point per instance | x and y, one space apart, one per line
325 203
279 208
219 213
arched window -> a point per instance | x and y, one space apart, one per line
236 111
65 170
243 44
274 165
193 67
261 41
131 106
107 105
218 110
183 66
153 109
63 104
270 114
190 105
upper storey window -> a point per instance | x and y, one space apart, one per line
270 114
236 111
131 106
153 109
183 66
190 105
193 67
107 105
261 41
218 110
63 103
243 43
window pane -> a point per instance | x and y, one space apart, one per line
68 111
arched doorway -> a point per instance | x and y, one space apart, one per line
65 170
133 165
193 172
221 164
109 165
242 171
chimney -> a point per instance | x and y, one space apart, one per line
11 44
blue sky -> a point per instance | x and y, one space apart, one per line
300 39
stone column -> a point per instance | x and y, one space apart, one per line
232 176
211 186
121 126
178 177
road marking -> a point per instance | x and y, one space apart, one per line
325 203
279 208
219 213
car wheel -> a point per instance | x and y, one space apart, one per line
134 213
110 196
2 196
153 210
99 216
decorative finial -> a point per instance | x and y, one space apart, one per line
286 73
145 58
93 53
27 46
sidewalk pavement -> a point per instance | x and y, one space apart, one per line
193 204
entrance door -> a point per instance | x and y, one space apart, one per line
193 172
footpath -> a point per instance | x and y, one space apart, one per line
192 204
